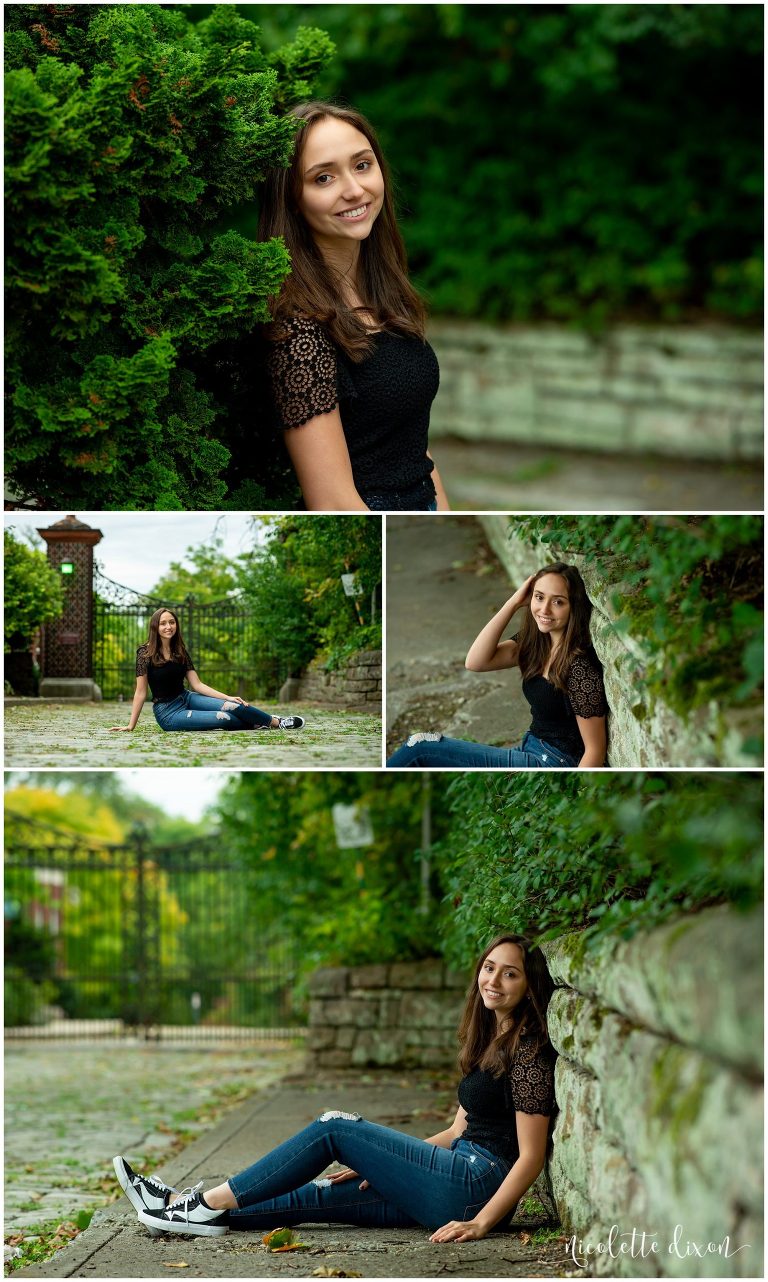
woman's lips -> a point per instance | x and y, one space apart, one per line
353 215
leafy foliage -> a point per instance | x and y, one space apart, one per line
131 135
610 856
690 587
294 585
33 593
579 162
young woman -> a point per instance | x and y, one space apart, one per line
351 373
460 1183
562 681
162 664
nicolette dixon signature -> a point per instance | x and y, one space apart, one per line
639 1244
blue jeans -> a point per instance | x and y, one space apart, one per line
533 753
411 1182
200 712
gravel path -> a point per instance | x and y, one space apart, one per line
55 734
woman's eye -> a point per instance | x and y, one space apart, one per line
364 164
320 178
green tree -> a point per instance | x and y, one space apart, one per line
33 593
131 137
211 578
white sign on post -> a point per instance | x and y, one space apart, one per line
353 825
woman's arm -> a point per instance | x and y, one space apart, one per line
442 498
532 1132
445 1138
139 698
593 734
488 653
200 688
320 458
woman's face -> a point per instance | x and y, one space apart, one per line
342 186
550 605
502 982
167 625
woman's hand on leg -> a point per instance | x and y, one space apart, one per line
459 1231
338 1177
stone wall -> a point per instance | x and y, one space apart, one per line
690 391
659 1086
400 1015
642 730
355 687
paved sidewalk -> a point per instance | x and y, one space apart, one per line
509 477
117 1245
443 585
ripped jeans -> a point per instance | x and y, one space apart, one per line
192 711
411 1182
432 749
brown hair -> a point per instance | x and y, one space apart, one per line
482 1046
312 289
154 644
534 647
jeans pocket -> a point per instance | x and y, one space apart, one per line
478 1159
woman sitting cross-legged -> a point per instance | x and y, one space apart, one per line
163 664
459 1184
562 681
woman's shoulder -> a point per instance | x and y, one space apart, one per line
143 649
298 327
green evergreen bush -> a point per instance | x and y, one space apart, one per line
132 135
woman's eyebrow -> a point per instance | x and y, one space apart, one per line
331 164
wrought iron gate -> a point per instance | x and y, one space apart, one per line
159 941
219 636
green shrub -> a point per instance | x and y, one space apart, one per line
33 593
543 853
131 136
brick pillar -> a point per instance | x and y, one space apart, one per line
67 652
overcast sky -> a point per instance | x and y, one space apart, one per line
183 791
138 547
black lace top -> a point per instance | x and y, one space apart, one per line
555 713
491 1102
384 403
166 680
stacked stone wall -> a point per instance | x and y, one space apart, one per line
643 731
355 687
690 391
659 1087
401 1015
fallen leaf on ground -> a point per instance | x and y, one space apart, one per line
176 1264
525 1238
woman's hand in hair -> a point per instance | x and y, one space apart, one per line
338 1177
459 1231
523 595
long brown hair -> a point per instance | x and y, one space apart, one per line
482 1046
154 643
535 647
312 288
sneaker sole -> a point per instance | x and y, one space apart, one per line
127 1188
196 1230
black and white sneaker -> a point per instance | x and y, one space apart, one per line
289 723
190 1214
144 1192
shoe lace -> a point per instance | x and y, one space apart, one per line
192 1190
160 1185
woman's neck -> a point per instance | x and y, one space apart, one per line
343 261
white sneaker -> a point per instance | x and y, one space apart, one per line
290 723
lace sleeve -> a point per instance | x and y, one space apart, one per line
586 691
533 1081
142 661
189 663
302 371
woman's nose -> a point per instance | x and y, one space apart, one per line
353 187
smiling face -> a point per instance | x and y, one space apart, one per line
342 186
550 605
501 982
166 626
